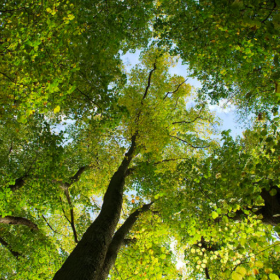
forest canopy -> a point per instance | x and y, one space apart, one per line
107 173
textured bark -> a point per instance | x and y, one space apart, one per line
86 260
118 241
10 220
5 244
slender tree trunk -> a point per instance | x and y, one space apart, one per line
87 259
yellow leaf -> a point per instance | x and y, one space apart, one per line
71 16
259 264
273 276
268 270
56 109
241 270
236 276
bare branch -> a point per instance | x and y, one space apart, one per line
188 122
128 241
85 95
78 174
274 6
130 171
64 211
72 221
171 92
7 77
51 226
184 141
119 239
73 179
149 83
167 160
207 273
197 117
10 220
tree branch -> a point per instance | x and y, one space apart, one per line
10 220
188 122
73 179
65 187
171 92
72 221
167 160
51 226
207 273
18 183
5 244
7 77
274 6
184 141
119 240
149 83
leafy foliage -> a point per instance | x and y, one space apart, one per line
74 126
231 46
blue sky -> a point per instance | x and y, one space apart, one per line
227 114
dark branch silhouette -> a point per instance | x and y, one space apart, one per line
119 240
172 92
51 226
149 83
5 244
10 220
184 141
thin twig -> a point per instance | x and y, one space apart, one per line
51 226
171 92
149 83
184 141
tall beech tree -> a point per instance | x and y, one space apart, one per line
112 175
151 134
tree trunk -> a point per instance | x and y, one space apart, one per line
87 259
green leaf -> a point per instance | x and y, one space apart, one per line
259 264
215 215
277 248
273 192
